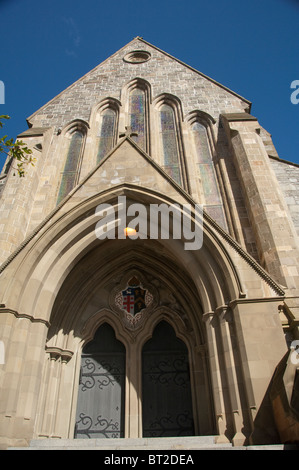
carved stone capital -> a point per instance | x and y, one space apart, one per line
57 353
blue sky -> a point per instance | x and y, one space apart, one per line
251 47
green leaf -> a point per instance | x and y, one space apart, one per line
18 151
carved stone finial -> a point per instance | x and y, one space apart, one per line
128 132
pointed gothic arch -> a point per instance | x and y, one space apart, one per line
69 273
169 118
200 127
208 122
136 96
64 237
74 136
104 122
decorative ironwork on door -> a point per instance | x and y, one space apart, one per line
167 401
100 410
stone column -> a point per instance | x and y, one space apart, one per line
133 423
55 401
218 392
261 346
230 351
20 375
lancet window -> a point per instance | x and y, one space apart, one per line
169 139
70 174
137 113
107 133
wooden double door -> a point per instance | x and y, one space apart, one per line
166 389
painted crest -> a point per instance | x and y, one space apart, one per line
133 299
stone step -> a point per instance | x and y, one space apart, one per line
175 444
166 443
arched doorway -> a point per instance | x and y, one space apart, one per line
166 391
100 407
171 311
89 295
167 407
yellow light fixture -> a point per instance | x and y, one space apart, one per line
130 231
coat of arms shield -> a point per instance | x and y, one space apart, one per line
133 299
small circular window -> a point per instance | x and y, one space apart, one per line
137 57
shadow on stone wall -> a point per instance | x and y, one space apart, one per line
277 421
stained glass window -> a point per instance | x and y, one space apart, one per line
107 133
138 116
169 143
201 143
71 168
213 204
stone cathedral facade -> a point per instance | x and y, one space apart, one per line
137 336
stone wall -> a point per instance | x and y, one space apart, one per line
287 174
